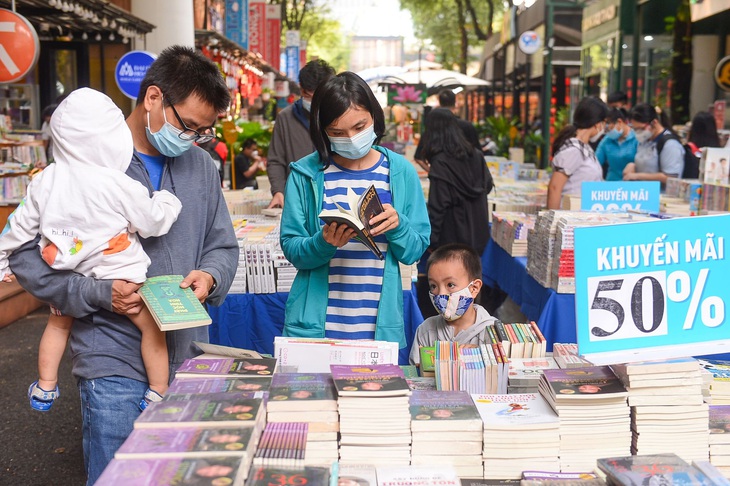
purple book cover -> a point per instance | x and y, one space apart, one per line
370 380
231 367
587 382
164 472
720 419
442 405
202 412
302 386
219 385
187 442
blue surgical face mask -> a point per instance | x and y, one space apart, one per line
166 139
614 134
356 147
453 306
307 104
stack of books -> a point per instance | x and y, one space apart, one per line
524 373
226 368
375 421
594 415
667 407
509 231
566 356
283 475
720 437
520 340
282 444
667 468
308 398
245 387
520 432
481 369
247 201
720 383
315 355
227 470
446 429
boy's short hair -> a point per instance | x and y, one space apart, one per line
465 254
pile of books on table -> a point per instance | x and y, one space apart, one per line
509 231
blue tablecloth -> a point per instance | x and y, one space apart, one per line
252 321
553 312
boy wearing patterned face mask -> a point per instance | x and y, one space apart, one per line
454 280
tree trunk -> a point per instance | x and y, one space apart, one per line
464 40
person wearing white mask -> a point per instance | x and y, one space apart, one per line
652 163
290 140
618 147
342 290
574 161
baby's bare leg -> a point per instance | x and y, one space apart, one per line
51 349
154 351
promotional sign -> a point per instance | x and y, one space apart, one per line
256 25
19 46
407 93
722 73
292 54
237 22
652 290
130 71
529 42
272 44
620 196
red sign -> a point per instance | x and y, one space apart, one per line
19 46
256 25
272 46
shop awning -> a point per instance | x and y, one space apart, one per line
57 18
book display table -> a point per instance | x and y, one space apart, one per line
553 312
252 321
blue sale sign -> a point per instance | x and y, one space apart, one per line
620 196
652 290
130 71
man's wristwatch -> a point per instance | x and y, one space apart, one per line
213 287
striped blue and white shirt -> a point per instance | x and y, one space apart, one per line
355 274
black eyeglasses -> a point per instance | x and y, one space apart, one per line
190 135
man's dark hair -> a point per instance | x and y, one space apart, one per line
461 253
618 97
332 99
181 71
248 143
313 73
447 98
616 114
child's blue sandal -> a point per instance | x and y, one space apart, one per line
149 396
40 399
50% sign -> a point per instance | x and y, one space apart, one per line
641 296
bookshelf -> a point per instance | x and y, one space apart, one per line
20 103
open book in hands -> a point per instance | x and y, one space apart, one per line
362 210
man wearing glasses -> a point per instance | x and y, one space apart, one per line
180 99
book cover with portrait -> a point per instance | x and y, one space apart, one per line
189 442
178 471
226 367
443 410
369 381
199 386
589 383
302 391
202 412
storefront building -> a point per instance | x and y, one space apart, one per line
618 32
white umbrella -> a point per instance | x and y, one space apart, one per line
375 73
422 65
435 79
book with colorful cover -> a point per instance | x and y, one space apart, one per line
720 374
515 412
427 356
301 392
711 471
587 383
652 469
409 371
356 475
188 442
202 412
369 381
719 424
282 444
199 386
676 365
422 383
527 371
443 411
226 470
299 476
226 368
171 306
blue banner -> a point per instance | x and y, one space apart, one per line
292 62
620 196
652 290
237 22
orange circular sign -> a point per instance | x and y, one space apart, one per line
19 46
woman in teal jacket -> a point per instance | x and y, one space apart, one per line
342 290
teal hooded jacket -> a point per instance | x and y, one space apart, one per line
304 246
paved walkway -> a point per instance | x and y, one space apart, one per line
37 448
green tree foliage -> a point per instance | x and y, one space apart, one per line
325 39
453 26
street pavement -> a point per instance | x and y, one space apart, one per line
36 448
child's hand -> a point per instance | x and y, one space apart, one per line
385 221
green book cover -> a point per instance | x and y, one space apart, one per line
171 306
427 355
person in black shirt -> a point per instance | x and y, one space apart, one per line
248 163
